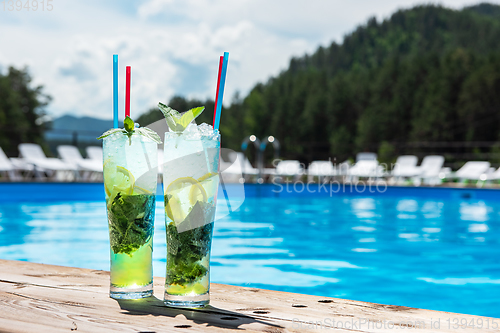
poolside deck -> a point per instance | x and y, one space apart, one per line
46 298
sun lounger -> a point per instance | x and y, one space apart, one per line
343 168
89 168
429 170
365 169
491 175
472 170
71 155
8 169
405 167
290 168
320 169
53 168
232 172
94 153
244 163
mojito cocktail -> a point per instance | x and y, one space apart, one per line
130 180
190 180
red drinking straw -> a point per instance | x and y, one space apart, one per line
217 90
127 92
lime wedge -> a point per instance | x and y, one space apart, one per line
117 179
210 182
140 190
173 209
198 288
176 121
182 195
124 180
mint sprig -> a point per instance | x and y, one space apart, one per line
131 222
129 129
188 243
176 121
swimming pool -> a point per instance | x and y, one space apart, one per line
429 248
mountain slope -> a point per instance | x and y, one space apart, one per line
425 74
88 128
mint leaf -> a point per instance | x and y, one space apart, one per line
186 249
131 222
170 114
110 132
129 125
130 129
149 133
179 122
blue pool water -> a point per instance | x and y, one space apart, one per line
429 248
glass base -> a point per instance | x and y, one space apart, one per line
131 293
187 301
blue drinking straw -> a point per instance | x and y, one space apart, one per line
115 90
221 90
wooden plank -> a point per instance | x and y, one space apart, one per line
46 298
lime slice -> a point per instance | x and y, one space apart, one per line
109 170
173 209
140 190
210 183
207 175
197 193
198 288
117 179
179 193
124 180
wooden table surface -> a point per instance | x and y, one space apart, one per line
46 298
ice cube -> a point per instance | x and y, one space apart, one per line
205 129
192 127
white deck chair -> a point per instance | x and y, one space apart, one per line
365 168
246 166
71 155
7 168
472 170
491 175
94 153
429 170
343 168
320 169
54 168
234 171
290 168
405 167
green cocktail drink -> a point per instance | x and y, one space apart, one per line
130 180
190 181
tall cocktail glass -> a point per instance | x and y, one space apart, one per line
190 181
130 180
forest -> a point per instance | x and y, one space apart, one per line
22 110
424 75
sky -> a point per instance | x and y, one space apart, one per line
173 46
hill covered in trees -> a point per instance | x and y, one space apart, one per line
427 74
21 109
